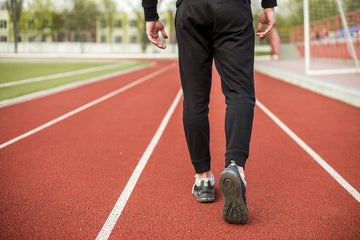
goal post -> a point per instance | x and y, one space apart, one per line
331 38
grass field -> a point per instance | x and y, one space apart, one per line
18 78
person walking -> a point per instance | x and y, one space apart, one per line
219 31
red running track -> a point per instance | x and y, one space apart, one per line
62 182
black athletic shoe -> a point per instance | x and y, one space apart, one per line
203 190
233 190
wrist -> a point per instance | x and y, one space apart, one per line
269 9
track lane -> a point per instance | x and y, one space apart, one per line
126 193
59 189
328 126
63 182
20 118
289 194
85 106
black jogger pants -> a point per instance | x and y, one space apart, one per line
221 30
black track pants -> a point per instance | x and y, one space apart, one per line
221 30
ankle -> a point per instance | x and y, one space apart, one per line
204 175
241 170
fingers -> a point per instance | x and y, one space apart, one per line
160 44
163 33
259 28
156 41
267 32
152 29
267 17
152 36
152 39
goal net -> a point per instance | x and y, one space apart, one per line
330 36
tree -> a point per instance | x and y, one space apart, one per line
82 19
107 16
14 8
43 16
142 29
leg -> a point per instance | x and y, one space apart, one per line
234 59
195 62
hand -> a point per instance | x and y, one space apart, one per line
152 32
267 17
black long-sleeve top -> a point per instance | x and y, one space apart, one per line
150 8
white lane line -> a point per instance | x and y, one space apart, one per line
311 152
59 75
125 195
44 93
86 106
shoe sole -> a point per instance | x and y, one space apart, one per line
204 199
235 210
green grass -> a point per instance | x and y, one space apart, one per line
15 71
262 53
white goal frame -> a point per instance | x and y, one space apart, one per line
349 42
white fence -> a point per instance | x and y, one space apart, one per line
78 48
103 50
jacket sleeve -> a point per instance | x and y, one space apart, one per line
268 3
150 10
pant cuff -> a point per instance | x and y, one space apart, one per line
239 158
202 166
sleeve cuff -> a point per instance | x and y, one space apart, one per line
268 3
151 14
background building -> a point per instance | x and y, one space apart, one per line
126 27
4 23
